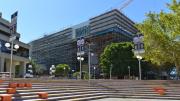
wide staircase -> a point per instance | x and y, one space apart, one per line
82 90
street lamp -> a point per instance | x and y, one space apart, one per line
72 73
94 72
80 59
110 72
129 68
139 59
64 71
89 58
12 47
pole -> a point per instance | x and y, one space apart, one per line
10 69
64 72
110 71
94 72
80 66
129 71
139 69
89 62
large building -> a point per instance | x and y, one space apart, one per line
61 47
20 56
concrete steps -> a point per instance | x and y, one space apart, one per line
67 90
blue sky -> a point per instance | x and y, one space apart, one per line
39 17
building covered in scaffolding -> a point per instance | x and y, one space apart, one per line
61 47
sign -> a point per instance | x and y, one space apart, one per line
138 39
80 42
80 46
12 38
80 53
13 26
138 44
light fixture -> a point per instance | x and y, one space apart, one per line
139 57
16 46
92 54
82 59
78 58
7 45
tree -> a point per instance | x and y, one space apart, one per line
160 31
35 67
17 70
84 75
76 74
119 56
62 69
39 70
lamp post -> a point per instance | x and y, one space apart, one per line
139 59
11 47
80 59
94 72
129 68
177 39
64 71
72 73
89 58
110 72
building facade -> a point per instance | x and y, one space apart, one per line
20 56
61 47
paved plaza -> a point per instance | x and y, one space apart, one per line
127 99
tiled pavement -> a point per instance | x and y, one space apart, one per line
128 99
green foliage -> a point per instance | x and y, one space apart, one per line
76 74
17 70
119 56
35 67
62 69
84 75
160 31
39 70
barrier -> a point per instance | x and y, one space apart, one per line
6 97
11 90
12 85
21 85
43 95
29 85
160 90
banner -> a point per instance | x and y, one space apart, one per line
13 26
